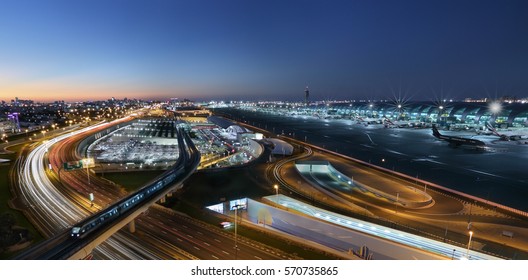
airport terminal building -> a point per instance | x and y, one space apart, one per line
471 113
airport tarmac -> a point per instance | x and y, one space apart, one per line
498 175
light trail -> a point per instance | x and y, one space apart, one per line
54 212
415 241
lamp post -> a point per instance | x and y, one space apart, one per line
469 243
440 112
88 174
276 187
236 227
87 162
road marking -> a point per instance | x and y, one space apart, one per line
184 226
199 233
196 248
190 236
225 252
178 239
257 258
175 229
164 232
217 240
207 244
215 257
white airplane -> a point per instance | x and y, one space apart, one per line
508 135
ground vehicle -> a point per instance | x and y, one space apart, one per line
122 206
144 194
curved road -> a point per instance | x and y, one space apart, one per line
61 204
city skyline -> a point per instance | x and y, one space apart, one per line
206 50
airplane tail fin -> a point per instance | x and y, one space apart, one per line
491 128
436 133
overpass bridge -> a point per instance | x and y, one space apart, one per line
78 241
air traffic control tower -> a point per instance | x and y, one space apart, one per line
306 95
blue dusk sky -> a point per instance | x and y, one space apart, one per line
262 50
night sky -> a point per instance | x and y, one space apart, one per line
262 50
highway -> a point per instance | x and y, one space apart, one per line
155 238
400 237
52 211
68 247
202 240
445 219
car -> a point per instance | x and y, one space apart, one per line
225 224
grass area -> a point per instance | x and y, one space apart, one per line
207 188
131 181
5 196
509 252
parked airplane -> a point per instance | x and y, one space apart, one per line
459 141
507 136
367 121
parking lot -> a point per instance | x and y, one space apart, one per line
152 144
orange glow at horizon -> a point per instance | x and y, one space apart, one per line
54 92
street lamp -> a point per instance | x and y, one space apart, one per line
276 187
88 162
236 233
469 243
